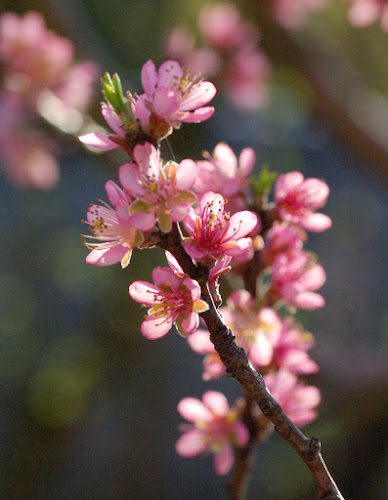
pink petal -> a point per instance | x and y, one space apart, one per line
247 161
143 292
197 116
241 432
309 300
313 278
179 212
147 157
191 443
186 174
194 288
154 328
142 221
241 224
173 263
286 183
261 351
316 192
200 342
149 77
115 194
198 95
224 459
193 410
112 119
316 222
169 74
191 323
98 141
163 276
129 179
106 257
217 402
192 251
226 159
140 109
164 102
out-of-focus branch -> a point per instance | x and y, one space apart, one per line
337 99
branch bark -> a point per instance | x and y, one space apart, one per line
238 366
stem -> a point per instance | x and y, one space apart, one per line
237 366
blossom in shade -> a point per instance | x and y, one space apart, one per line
297 400
283 238
365 12
290 349
222 173
215 428
173 94
173 298
106 142
162 191
256 330
213 233
114 238
200 342
297 199
295 277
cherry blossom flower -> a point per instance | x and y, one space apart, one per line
162 190
295 277
297 199
282 238
215 428
200 342
297 400
256 330
293 13
290 349
222 173
114 236
214 233
174 299
365 12
173 94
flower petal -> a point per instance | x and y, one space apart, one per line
143 292
98 140
191 443
193 410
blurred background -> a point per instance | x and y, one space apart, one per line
88 406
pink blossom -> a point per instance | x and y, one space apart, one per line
222 173
290 349
246 79
293 13
295 277
297 400
282 238
213 233
162 191
222 27
106 142
297 199
365 12
214 428
114 236
200 342
256 330
174 95
174 299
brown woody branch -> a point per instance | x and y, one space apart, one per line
238 366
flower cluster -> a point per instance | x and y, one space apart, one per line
40 80
227 53
212 220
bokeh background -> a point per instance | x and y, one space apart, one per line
88 406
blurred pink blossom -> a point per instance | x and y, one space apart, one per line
282 238
295 277
297 400
297 199
214 428
213 233
174 298
222 173
293 13
227 52
365 12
